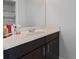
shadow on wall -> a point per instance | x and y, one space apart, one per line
62 48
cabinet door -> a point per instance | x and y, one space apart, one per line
52 49
36 54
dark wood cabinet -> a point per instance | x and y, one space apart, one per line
52 49
52 46
36 54
43 48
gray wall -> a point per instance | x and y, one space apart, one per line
30 12
62 13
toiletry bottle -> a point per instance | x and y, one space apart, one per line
13 29
18 29
9 28
5 31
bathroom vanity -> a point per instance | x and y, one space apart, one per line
42 45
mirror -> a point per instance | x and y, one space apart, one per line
9 12
27 13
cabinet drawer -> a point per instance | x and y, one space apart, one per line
36 54
52 37
23 49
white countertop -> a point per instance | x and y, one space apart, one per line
25 37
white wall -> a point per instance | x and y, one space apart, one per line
62 13
30 12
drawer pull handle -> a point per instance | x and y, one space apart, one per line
43 51
48 47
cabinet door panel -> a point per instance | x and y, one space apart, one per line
36 54
52 49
